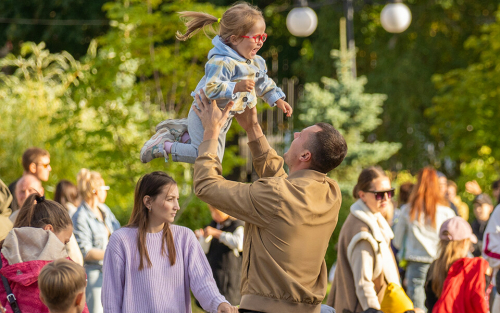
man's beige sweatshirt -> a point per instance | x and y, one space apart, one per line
289 222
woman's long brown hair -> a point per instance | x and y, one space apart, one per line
449 252
426 196
150 185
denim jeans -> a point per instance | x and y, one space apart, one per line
188 152
94 286
416 273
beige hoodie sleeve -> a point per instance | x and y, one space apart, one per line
362 269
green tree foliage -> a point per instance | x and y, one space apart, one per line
343 103
31 21
466 110
39 86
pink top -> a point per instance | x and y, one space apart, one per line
161 288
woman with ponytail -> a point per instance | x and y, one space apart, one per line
151 265
93 226
417 231
40 233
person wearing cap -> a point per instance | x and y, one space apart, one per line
483 206
454 282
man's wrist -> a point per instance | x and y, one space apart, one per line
254 132
211 133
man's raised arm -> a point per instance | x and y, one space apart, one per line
266 161
254 203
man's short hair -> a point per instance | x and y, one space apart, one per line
328 148
59 282
33 155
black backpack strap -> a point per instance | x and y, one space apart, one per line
10 296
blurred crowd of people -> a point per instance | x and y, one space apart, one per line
418 253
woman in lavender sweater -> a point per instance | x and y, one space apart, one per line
151 265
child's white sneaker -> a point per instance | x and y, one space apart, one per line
154 147
176 127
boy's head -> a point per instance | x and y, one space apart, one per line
62 286
218 216
482 207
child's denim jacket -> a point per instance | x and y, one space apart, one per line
225 67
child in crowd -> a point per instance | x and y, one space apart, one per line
483 206
62 286
234 72
454 282
224 252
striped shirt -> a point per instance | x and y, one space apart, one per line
161 288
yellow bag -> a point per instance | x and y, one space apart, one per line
395 300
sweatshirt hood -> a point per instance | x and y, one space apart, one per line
32 244
221 49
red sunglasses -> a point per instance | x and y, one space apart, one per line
257 38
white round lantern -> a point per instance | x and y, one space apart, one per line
301 22
395 17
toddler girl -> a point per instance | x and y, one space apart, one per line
234 72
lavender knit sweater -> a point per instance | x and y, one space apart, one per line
161 288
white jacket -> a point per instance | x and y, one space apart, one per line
491 240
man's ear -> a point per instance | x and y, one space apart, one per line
305 156
79 298
32 168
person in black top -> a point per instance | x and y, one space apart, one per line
483 206
222 241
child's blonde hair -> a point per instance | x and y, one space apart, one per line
60 282
237 21
88 182
449 252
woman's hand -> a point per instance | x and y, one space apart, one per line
225 307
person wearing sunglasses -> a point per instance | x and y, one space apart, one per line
365 263
234 73
94 224
36 162
417 231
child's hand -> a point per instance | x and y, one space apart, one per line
244 85
285 107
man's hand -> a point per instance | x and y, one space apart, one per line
244 85
285 107
250 123
225 307
212 118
